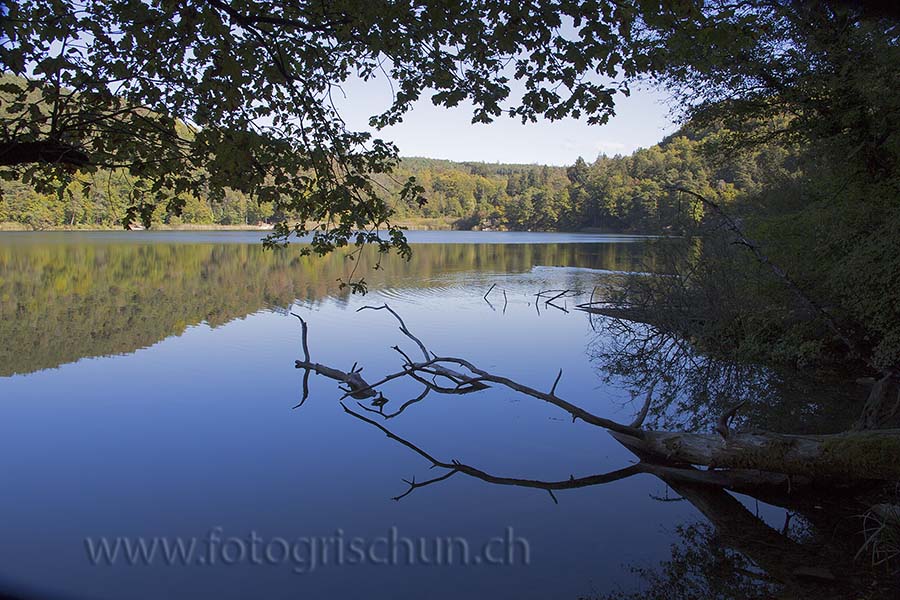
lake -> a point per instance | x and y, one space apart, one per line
147 394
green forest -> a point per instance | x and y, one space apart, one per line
750 354
618 194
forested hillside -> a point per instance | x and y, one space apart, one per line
621 193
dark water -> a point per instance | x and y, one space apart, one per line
147 386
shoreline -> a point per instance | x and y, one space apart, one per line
418 225
21 227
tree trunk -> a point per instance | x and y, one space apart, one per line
854 455
882 407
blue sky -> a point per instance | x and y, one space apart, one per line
436 132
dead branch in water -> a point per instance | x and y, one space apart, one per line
358 388
305 344
722 426
639 419
550 296
356 385
737 461
505 299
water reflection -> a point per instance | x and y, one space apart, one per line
734 554
198 431
691 388
837 539
60 302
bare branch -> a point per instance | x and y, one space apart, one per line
380 406
575 411
405 372
304 332
722 425
414 485
403 328
555 383
557 306
360 389
409 361
639 419
356 385
742 462
741 480
559 295
455 466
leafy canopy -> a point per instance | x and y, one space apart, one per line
196 96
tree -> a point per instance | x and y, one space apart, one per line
215 95
209 95
811 81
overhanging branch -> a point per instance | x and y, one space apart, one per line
23 153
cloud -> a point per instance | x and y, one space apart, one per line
610 147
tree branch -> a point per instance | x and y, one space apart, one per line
455 466
304 332
403 328
48 151
255 19
780 273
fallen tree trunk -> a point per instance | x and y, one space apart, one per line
779 463
853 455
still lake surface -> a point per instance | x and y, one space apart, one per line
147 386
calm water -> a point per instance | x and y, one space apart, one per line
147 386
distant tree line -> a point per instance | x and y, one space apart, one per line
622 193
